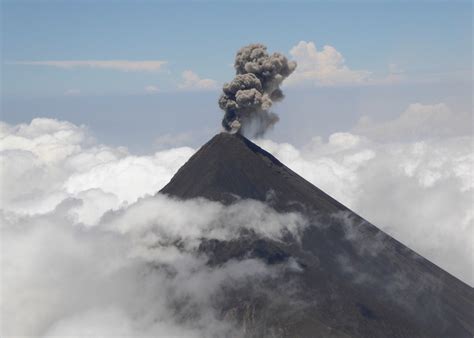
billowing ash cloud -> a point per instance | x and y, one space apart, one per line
247 99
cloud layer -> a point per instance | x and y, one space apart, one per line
56 159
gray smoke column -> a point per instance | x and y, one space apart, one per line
248 98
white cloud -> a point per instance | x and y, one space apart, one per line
419 121
193 82
61 279
323 68
121 65
327 67
148 174
152 89
58 159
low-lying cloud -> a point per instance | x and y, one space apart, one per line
136 271
46 161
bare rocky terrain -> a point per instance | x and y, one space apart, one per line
349 279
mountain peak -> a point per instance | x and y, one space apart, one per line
230 166
359 281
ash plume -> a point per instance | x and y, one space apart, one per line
248 98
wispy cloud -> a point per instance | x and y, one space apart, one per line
192 81
121 65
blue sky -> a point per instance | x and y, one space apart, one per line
430 42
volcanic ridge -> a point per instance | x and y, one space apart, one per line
350 278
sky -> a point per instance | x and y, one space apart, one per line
103 101
414 51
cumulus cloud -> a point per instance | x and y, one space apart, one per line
328 67
192 81
323 68
121 65
87 251
58 159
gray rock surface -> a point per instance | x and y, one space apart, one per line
351 279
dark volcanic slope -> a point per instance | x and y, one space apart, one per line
230 165
355 281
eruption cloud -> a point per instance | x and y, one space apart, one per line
248 98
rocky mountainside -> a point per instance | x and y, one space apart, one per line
350 278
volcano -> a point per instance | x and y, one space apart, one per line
350 278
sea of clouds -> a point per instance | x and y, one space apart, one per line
87 250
